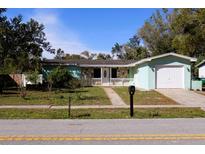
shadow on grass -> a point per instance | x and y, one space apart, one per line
81 115
75 91
10 92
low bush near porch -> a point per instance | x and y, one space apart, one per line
144 97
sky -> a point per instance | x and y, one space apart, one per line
94 30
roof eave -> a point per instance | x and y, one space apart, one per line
201 63
193 60
105 65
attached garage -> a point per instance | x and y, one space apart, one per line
169 76
169 70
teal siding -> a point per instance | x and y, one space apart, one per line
145 76
141 77
74 70
196 85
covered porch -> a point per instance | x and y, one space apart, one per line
108 76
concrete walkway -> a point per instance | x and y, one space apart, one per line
184 97
114 97
88 106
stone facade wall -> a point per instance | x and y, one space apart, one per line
86 76
122 72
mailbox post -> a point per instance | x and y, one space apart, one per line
131 90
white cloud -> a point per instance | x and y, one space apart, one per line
59 34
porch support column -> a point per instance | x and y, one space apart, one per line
109 75
101 75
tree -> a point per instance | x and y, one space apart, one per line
156 33
177 30
59 77
92 56
118 51
132 50
72 57
136 53
59 54
33 76
22 44
87 55
189 29
102 56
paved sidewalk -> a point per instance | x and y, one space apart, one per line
87 106
114 97
184 97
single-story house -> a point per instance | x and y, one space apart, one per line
168 70
201 67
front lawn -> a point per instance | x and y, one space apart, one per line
144 97
101 113
82 96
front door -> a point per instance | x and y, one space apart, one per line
105 76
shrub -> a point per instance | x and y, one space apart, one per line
74 83
61 78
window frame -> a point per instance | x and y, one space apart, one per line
115 76
98 76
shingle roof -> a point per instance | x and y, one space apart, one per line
86 62
111 63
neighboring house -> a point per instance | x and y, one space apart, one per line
21 79
201 71
201 67
169 70
27 82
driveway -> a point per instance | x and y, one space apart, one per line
184 97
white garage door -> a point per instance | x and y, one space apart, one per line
169 77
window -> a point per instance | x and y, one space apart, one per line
114 72
97 73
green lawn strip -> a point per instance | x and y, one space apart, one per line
82 96
139 113
144 97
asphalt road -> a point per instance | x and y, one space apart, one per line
121 131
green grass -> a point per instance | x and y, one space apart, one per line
144 97
101 113
82 96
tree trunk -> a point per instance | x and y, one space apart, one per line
49 86
1 84
1 90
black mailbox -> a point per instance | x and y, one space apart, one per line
131 90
